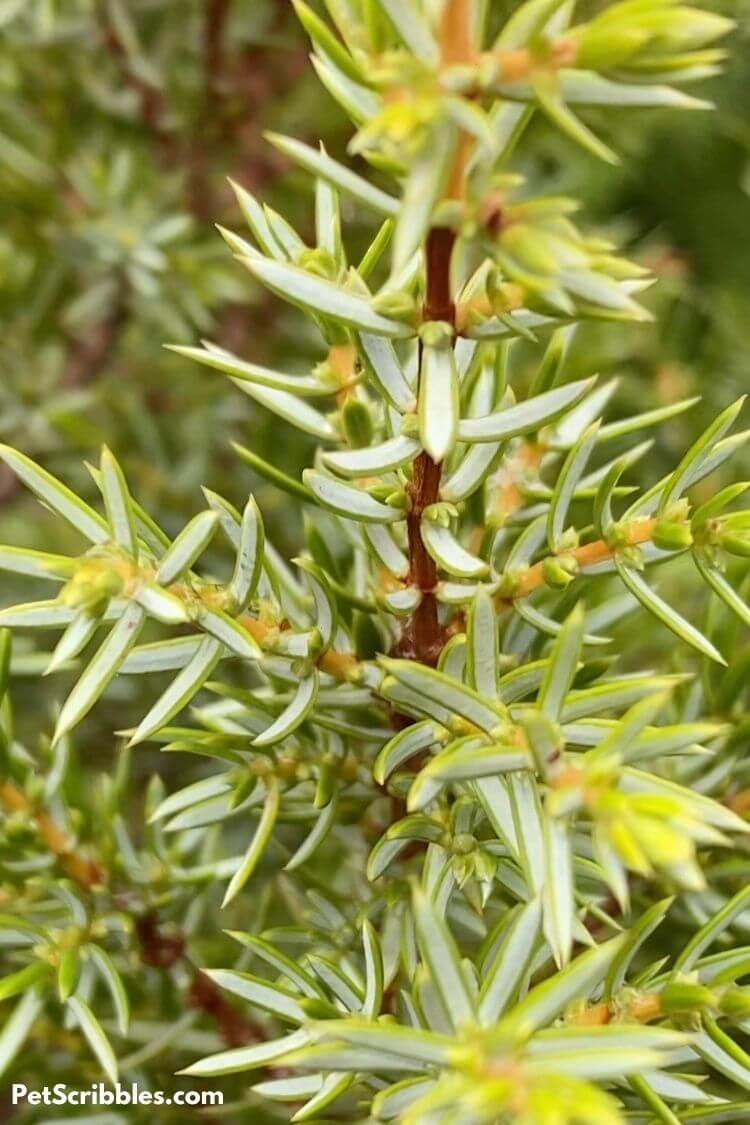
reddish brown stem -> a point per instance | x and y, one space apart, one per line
217 12
438 301
422 638
150 99
164 950
89 355
82 868
235 1030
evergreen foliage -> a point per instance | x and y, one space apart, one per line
452 854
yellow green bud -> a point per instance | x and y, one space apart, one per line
397 499
687 29
602 48
686 996
735 1003
559 570
440 513
319 262
464 843
510 582
669 536
437 334
736 545
381 491
398 304
93 584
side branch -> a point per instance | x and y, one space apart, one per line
83 870
588 555
158 948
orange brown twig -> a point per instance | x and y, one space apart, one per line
640 1008
589 554
84 870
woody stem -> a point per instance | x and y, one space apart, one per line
423 637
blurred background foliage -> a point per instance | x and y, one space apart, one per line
120 122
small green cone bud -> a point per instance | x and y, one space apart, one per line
736 522
91 587
441 513
568 542
617 536
320 263
603 772
437 334
357 423
736 545
735 1003
670 536
107 584
690 29
677 512
464 843
600 48
557 571
633 556
397 499
463 867
381 491
685 997
397 304
35 791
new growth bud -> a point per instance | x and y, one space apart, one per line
94 583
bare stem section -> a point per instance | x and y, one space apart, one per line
589 554
423 637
